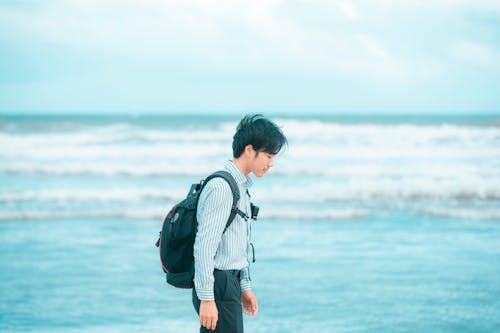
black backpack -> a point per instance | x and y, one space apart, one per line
178 232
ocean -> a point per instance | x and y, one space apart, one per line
366 224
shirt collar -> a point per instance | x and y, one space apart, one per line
240 178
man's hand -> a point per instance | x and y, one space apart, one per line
249 301
208 315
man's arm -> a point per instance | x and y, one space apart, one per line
214 208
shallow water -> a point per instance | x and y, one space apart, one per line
395 274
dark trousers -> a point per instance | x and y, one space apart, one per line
227 292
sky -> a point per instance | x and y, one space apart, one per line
224 56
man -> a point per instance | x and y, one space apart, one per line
222 279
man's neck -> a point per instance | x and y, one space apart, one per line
241 165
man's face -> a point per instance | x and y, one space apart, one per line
262 161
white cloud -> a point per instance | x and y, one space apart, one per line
224 33
479 54
349 10
235 35
487 5
174 47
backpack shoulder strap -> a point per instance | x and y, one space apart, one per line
236 194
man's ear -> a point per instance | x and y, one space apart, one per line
248 150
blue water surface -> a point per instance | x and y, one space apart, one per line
389 274
367 223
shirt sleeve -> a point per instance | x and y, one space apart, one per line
245 279
214 207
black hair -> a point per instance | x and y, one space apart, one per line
261 133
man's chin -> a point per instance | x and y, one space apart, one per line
260 174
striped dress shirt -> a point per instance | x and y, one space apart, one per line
214 248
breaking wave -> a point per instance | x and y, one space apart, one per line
100 165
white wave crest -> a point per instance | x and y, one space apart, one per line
158 213
463 213
275 213
93 196
312 191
